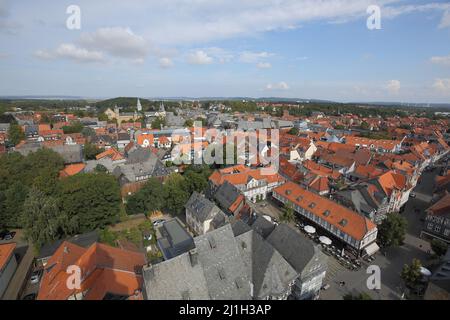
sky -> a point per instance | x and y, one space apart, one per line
310 49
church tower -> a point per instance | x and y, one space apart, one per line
139 106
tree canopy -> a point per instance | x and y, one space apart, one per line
15 134
391 232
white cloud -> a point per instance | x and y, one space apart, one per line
264 65
118 42
254 57
278 86
71 52
445 21
393 86
442 85
443 60
199 57
166 63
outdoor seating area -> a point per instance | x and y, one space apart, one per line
330 249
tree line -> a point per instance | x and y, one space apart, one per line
33 197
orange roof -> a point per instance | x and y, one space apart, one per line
72 170
385 144
145 139
320 184
6 250
240 174
368 171
441 207
391 180
44 127
357 225
164 140
111 153
104 269
51 132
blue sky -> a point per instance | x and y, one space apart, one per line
257 48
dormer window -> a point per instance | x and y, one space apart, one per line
326 213
343 222
312 205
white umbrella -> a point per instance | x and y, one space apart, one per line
425 272
325 240
310 229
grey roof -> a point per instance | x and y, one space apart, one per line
239 227
180 278
269 272
123 136
262 226
29 147
297 250
31 129
201 208
140 154
103 138
173 239
223 266
128 172
70 153
226 195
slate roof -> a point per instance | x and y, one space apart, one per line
84 240
202 208
269 272
180 278
70 153
226 195
290 244
262 226
223 266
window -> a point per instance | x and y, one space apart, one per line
312 205
447 232
326 213
437 228
430 226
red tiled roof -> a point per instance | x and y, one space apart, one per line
72 169
104 269
6 250
357 225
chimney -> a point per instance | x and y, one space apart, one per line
193 257
66 250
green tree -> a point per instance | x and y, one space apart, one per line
176 193
91 151
189 123
392 230
288 215
90 201
411 273
293 131
148 199
439 247
15 134
88 132
99 168
42 219
158 122
76 127
196 181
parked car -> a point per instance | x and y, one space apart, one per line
158 222
6 235
31 296
412 195
35 277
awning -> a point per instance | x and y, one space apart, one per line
371 248
310 229
325 240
